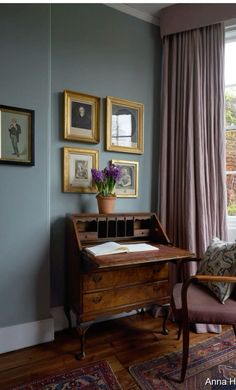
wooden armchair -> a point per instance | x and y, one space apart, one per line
193 303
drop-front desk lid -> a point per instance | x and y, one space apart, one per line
135 227
165 253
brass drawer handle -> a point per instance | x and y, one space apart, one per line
156 270
97 278
97 299
156 288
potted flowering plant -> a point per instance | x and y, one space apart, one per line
105 181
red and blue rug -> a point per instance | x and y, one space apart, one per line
212 365
94 376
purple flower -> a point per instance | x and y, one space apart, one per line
97 175
106 179
113 171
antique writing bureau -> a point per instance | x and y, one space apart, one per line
111 284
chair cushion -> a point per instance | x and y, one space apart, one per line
219 259
203 306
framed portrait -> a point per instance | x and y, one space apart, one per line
127 186
77 169
124 127
81 117
16 136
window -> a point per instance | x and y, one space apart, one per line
230 119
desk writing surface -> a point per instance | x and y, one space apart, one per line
165 253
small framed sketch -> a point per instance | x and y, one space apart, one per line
81 117
77 169
124 127
16 136
127 186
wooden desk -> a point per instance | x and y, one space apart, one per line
107 285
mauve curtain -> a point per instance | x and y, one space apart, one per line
192 198
192 204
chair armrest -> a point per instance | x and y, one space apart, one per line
214 278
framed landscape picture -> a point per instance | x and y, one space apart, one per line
77 165
127 186
124 127
81 117
16 136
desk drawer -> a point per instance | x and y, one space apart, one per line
124 296
131 276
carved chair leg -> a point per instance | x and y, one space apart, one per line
185 350
234 327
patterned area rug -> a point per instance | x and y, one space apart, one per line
212 365
95 376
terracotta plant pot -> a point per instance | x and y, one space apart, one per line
106 204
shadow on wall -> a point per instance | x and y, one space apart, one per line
156 124
42 283
57 259
86 204
28 281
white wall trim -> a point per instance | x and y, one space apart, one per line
136 13
26 335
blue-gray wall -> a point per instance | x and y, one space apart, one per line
24 191
86 48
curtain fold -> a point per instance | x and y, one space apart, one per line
192 198
192 201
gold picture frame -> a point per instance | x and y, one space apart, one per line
77 165
127 186
124 126
81 117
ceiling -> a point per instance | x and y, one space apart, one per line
150 9
146 11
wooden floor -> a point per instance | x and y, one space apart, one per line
121 342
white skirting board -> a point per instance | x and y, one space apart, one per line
38 332
32 333
26 335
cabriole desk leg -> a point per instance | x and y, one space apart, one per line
167 310
68 315
160 309
82 329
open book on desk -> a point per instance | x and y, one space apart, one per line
111 248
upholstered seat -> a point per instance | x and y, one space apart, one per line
192 303
204 306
